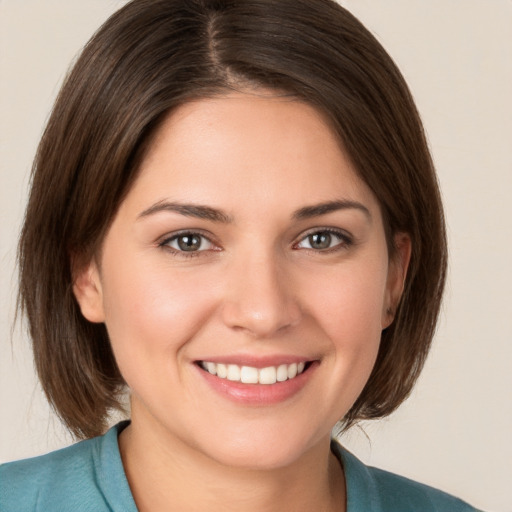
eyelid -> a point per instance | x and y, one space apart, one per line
165 240
347 239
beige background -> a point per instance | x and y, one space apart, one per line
455 430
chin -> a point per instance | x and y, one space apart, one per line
264 451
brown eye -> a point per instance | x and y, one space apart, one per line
188 242
323 240
320 240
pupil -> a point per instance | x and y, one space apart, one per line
189 242
320 240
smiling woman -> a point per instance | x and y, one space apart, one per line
235 214
305 289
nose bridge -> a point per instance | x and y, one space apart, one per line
259 295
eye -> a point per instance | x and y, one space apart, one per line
324 240
188 242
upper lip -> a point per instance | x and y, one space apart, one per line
256 361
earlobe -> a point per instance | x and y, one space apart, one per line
88 292
397 273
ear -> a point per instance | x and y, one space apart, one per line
88 291
397 273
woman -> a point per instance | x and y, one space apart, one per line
236 217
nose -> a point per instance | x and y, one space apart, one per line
260 298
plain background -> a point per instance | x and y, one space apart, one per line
455 430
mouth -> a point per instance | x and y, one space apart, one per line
251 375
257 381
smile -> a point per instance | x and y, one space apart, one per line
251 375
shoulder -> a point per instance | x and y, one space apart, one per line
75 478
370 488
397 491
56 481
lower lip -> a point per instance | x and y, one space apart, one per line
259 394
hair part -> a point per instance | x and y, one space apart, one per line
149 58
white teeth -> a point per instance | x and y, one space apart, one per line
268 375
251 375
222 371
233 372
212 368
292 370
282 373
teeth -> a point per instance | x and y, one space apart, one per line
282 373
212 368
222 371
250 375
233 372
268 375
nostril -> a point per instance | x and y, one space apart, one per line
261 315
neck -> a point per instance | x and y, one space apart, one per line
165 474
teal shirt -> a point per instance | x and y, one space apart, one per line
89 477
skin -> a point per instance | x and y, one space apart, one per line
256 287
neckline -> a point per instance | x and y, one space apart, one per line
360 486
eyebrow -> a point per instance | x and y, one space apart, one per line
189 210
328 207
214 214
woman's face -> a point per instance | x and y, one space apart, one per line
244 281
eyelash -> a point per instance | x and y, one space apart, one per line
345 241
165 244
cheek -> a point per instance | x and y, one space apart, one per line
348 303
153 312
348 309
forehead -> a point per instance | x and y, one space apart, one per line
255 148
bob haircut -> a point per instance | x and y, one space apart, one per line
149 58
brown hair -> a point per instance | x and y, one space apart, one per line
154 55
